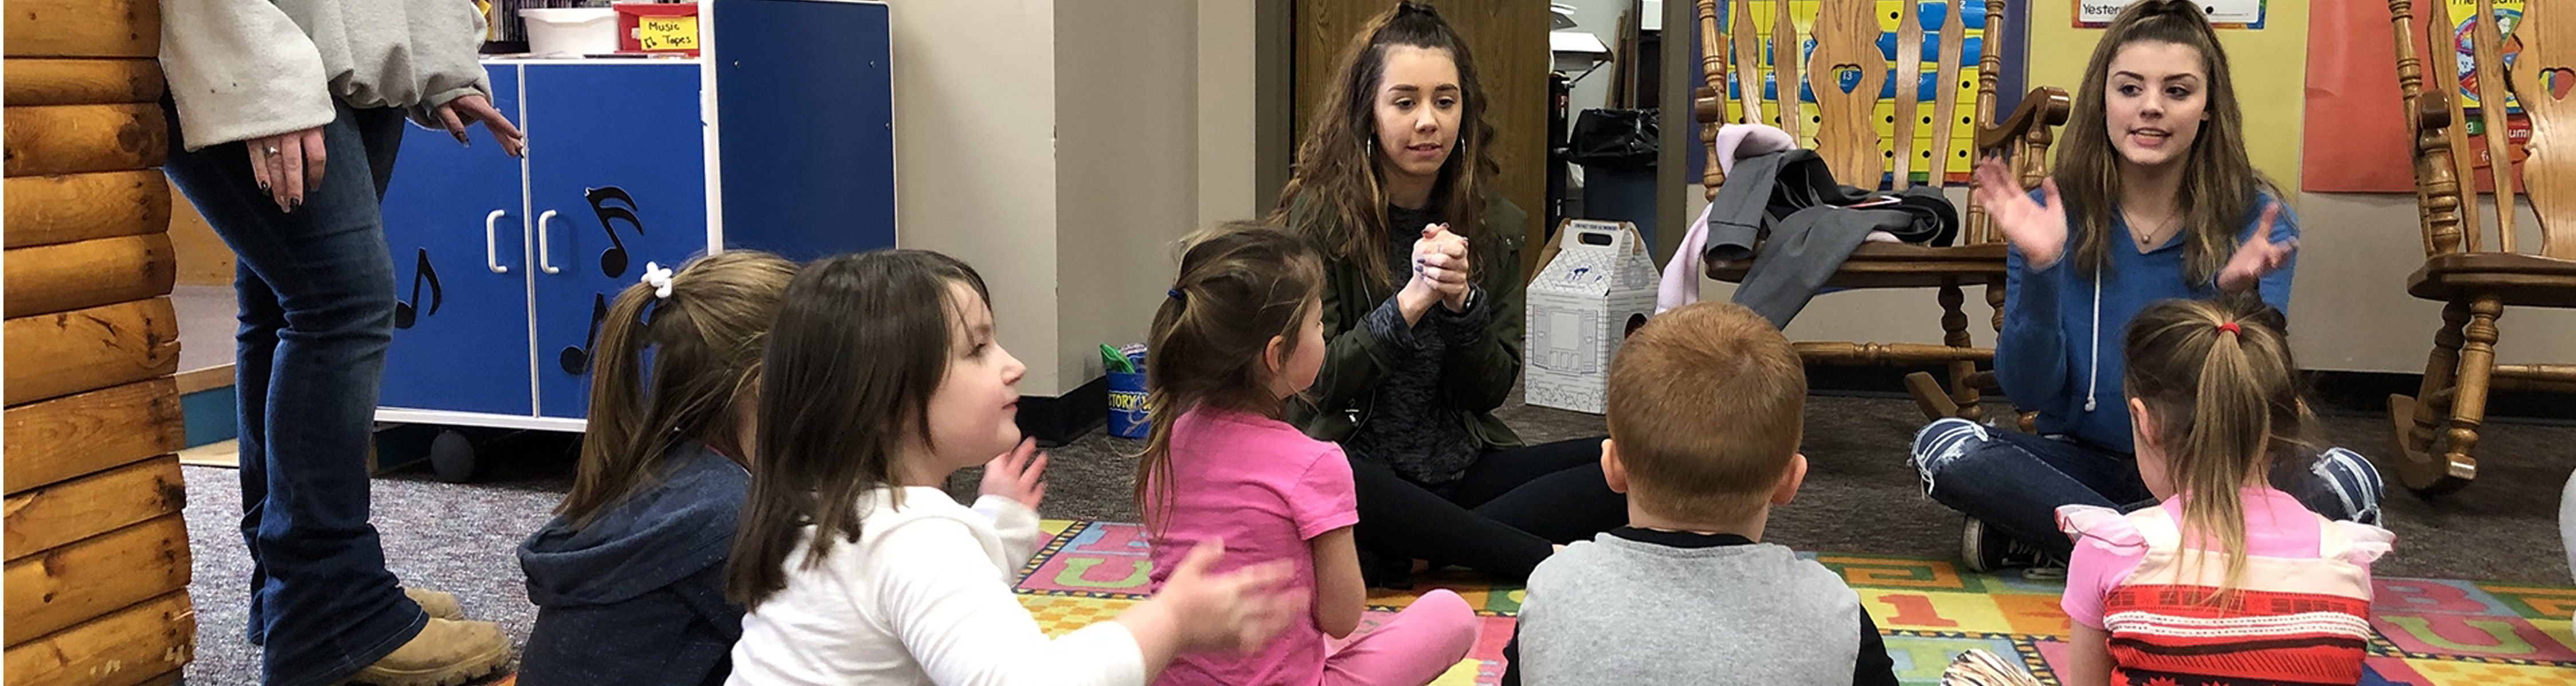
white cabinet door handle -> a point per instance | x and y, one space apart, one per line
491 252
545 256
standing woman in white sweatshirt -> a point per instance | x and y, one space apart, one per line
284 117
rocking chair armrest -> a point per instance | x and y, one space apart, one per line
2433 110
2044 107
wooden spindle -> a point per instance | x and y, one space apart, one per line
2487 40
1748 62
1785 72
1713 92
2441 148
1990 65
2545 171
1945 100
1909 79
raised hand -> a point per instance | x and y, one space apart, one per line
1018 475
2038 232
2259 256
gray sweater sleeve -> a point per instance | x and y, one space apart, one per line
243 69
410 54
240 70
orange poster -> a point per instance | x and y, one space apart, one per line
2355 140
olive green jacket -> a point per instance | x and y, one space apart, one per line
1479 375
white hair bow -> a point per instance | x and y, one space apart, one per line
659 278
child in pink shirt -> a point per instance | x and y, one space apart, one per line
2227 580
1241 331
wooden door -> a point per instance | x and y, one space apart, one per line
1509 41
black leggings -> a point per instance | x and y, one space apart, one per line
1501 518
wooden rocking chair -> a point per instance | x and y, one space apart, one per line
1847 136
2475 283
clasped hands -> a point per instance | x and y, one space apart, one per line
1442 272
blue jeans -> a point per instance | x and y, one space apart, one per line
2015 481
316 287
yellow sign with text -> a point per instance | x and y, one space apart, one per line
667 33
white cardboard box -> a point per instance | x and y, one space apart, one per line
1596 283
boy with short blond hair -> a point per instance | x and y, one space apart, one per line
1706 407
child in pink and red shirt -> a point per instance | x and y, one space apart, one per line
2228 580
1240 331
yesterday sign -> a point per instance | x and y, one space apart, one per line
2225 14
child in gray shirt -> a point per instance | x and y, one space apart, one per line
1687 593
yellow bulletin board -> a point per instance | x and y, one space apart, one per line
1803 13
2271 67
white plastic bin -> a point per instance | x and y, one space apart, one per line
571 31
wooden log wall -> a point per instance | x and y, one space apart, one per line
96 570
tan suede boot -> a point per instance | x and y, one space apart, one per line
439 604
445 653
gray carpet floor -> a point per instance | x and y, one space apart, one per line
1859 497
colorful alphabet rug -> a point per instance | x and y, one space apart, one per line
2431 632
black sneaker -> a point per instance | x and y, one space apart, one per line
1985 549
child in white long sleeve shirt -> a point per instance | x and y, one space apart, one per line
858 569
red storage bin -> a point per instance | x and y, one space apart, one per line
658 28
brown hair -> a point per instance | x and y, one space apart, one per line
1685 367
1241 284
861 343
705 339
2220 185
1338 166
2225 403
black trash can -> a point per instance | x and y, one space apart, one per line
1617 148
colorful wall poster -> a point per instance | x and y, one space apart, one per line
2225 14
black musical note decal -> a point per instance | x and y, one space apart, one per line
613 262
576 361
405 312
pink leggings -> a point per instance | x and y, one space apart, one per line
1417 645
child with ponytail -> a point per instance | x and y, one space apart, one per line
1241 331
2152 197
629 577
2226 580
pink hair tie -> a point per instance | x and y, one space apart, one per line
2230 327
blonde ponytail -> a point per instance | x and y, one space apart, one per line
2220 382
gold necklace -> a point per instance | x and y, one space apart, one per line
2147 241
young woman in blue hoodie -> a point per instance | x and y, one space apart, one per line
629 577
2153 197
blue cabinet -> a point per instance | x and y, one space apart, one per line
808 133
617 179
457 227
524 256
